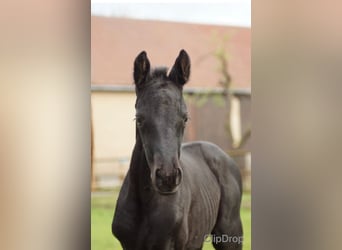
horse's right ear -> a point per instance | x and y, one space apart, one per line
141 68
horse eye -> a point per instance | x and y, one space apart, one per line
139 121
185 119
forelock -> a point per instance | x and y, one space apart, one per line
157 84
160 72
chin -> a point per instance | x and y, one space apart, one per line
166 190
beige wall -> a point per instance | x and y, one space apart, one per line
114 127
114 131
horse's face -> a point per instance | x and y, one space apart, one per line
161 117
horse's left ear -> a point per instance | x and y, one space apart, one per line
180 71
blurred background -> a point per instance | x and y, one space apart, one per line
217 38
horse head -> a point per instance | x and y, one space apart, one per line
161 116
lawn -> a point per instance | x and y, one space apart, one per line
102 209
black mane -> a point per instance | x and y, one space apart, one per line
160 72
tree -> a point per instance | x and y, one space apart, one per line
228 95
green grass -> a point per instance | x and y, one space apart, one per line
102 209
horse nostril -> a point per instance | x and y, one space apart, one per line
178 176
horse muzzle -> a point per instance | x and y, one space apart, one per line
167 182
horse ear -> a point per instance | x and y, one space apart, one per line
141 68
180 71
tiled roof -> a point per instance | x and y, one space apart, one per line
115 42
